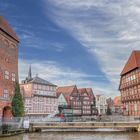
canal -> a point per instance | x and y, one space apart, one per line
76 136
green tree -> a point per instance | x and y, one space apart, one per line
17 102
108 112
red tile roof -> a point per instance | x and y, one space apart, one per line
132 63
88 91
6 28
82 90
65 89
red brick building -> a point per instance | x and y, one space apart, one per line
130 85
8 66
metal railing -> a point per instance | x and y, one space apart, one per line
111 118
10 124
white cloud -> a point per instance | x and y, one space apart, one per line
108 29
57 74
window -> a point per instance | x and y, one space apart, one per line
35 86
6 75
13 77
5 93
39 87
135 107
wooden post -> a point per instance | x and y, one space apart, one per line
31 128
138 128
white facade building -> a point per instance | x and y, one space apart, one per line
101 104
39 97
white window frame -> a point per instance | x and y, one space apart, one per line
5 93
13 77
6 74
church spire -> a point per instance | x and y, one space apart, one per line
29 73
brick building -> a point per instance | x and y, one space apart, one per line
39 97
8 66
130 85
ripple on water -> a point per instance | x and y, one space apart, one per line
76 136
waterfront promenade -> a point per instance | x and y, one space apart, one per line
84 126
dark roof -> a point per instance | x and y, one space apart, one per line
39 80
132 63
4 26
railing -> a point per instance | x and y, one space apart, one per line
10 124
112 118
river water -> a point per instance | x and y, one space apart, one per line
76 136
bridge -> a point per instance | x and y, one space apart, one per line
84 126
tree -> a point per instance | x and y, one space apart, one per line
108 112
17 102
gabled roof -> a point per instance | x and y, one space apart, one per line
4 26
65 89
90 92
39 80
82 90
132 63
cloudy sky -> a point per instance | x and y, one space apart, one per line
82 42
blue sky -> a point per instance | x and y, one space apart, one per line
77 42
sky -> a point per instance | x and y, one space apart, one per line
75 42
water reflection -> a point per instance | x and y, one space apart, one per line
76 136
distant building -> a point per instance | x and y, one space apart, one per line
117 105
8 66
88 101
80 102
130 85
110 104
39 97
69 100
101 104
